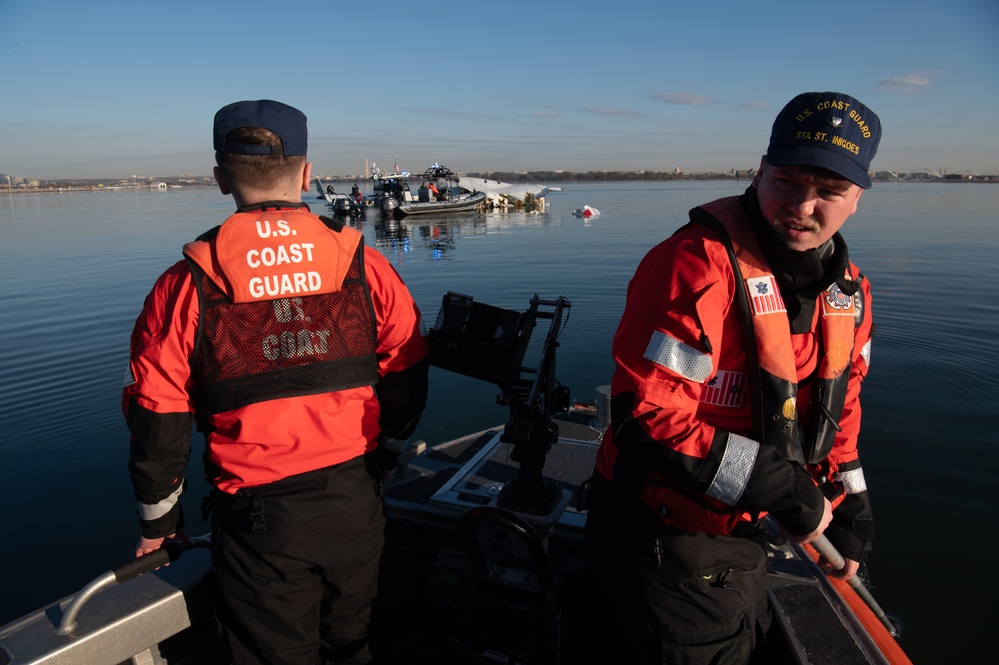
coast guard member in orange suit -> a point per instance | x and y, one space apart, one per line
300 355
739 359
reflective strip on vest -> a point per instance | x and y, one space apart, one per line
733 473
866 352
853 481
152 511
669 352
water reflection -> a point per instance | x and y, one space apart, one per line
434 238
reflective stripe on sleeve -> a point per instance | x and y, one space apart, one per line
151 511
669 352
853 481
866 352
733 473
129 377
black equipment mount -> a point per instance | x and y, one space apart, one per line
490 344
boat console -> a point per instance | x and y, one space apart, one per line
481 541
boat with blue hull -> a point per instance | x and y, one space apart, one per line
483 559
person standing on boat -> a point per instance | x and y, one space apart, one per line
300 354
739 358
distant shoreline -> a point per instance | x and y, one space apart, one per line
536 177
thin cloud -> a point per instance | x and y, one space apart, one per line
755 105
908 84
680 98
543 114
607 110
443 112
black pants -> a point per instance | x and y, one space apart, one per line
675 597
296 563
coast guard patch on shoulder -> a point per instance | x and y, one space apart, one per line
765 295
836 302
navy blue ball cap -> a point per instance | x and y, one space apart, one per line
829 130
287 122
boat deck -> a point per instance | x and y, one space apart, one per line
461 581
431 578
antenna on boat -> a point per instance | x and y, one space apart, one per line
489 343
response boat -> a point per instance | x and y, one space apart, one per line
483 560
440 192
339 203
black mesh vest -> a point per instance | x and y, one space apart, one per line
253 352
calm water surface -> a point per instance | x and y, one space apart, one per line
75 267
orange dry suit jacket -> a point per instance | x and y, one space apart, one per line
292 345
716 442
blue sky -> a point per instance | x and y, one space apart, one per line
111 88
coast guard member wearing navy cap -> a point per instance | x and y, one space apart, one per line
828 130
739 359
299 353
287 122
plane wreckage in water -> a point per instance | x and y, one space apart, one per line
506 195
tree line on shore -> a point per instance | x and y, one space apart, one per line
504 176
598 176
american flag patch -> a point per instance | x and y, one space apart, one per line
765 295
724 389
